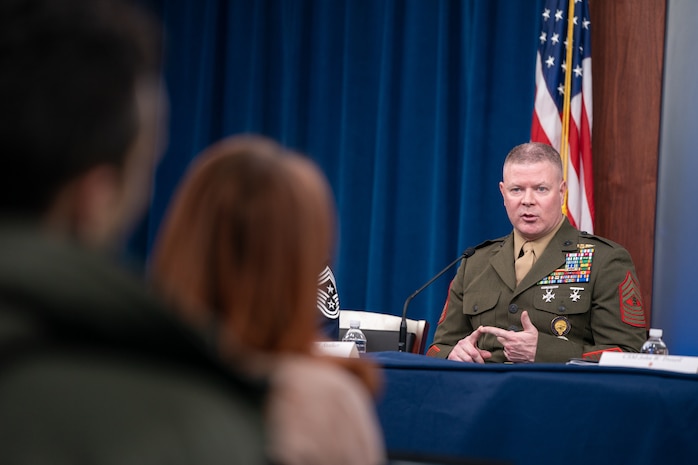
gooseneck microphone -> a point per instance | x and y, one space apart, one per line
402 341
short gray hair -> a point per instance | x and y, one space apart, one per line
534 152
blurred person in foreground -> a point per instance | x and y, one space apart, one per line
546 292
246 235
94 368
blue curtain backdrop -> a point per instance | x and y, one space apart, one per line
409 107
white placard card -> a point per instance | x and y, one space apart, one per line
677 363
338 348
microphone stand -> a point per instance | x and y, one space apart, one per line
402 339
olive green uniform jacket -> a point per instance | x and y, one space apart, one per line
598 311
95 370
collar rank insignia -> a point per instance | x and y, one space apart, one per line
577 268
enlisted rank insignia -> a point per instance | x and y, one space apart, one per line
577 267
327 297
560 326
631 311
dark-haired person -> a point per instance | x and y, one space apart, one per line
94 368
546 292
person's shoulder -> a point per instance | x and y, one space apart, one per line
318 382
312 403
488 247
491 243
140 398
596 240
313 374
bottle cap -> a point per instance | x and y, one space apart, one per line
655 332
354 324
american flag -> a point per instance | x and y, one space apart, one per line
554 101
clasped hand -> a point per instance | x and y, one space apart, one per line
519 346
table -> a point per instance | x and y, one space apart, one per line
538 413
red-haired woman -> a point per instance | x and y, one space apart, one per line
247 233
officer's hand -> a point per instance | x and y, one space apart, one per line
519 346
466 349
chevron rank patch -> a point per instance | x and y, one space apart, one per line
631 311
327 297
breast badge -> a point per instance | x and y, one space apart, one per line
548 296
560 326
574 295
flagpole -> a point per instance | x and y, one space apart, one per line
566 100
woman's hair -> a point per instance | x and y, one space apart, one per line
247 234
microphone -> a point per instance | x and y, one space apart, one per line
402 341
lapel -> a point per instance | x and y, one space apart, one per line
564 242
503 262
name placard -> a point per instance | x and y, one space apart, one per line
337 348
676 363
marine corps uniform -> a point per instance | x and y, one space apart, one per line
581 294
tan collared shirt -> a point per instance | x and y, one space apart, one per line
539 244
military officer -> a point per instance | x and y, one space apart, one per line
546 292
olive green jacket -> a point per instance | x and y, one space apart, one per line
596 311
93 369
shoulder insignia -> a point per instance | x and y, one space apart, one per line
631 311
585 236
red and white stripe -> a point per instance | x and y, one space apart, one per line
547 128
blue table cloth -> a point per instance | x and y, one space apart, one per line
538 413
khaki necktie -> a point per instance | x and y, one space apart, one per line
525 261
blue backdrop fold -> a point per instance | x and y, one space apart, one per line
409 107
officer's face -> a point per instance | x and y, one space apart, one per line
533 194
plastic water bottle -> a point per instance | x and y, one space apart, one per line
655 345
354 334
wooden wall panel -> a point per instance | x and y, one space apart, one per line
627 62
